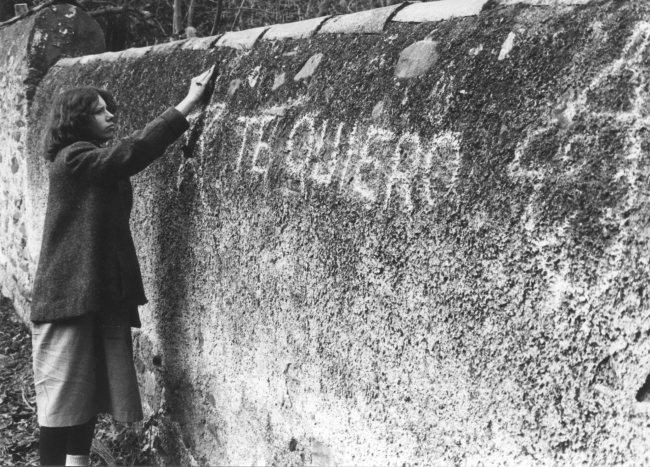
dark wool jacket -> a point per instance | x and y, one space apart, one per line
87 261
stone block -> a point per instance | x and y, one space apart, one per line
297 30
65 30
241 40
438 10
363 22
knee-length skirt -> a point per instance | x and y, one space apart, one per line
83 367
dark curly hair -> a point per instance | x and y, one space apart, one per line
71 113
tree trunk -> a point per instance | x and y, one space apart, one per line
217 17
178 17
190 14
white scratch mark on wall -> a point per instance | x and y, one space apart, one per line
636 119
476 50
254 76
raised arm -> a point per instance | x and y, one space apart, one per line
130 155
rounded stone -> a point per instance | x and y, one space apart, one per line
416 59
378 110
279 81
310 67
234 85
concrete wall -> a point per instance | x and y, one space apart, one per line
397 241
29 47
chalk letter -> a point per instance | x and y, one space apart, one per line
375 134
346 164
441 164
323 172
248 121
408 146
261 146
297 167
218 108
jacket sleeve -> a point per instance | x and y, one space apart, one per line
130 155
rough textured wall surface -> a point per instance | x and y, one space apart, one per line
29 47
421 243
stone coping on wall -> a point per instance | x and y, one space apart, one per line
364 22
442 10
297 30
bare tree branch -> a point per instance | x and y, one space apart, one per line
237 15
109 10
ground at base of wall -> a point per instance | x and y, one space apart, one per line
18 427
114 444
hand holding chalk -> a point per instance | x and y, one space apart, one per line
198 88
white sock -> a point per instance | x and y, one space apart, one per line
74 460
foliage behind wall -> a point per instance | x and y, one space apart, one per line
133 23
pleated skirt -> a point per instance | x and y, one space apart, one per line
83 367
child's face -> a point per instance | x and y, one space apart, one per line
102 122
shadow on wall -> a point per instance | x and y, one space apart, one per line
175 279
